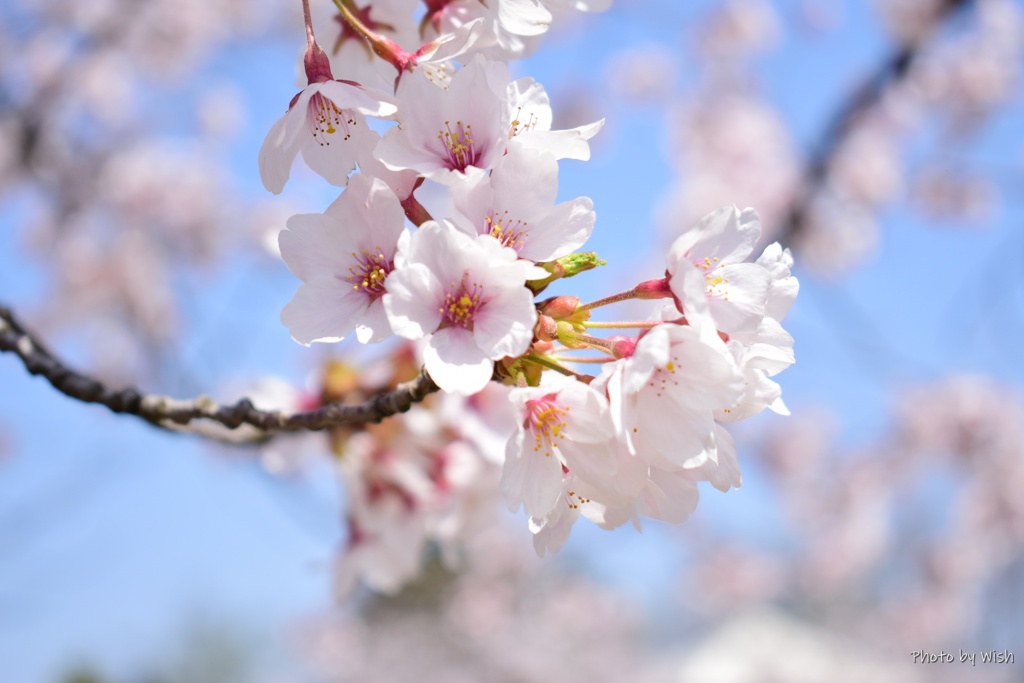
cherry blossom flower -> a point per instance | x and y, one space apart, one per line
445 132
563 426
664 395
745 300
344 258
766 350
468 296
714 251
324 122
516 205
760 391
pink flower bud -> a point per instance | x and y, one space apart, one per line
560 307
653 289
543 347
624 347
546 329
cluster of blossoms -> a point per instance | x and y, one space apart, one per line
631 441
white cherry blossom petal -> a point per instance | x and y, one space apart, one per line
344 257
411 301
506 336
524 17
320 312
277 154
456 363
530 476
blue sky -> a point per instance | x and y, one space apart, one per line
112 533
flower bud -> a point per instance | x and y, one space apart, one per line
560 307
543 347
653 289
567 266
624 347
546 328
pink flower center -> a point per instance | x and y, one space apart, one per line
511 233
461 303
325 119
546 419
369 272
458 144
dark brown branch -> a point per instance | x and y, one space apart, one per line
894 69
173 414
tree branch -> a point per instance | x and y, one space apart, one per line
173 414
894 69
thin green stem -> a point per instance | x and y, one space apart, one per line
552 365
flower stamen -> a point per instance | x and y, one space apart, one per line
369 272
508 231
325 119
461 303
546 419
458 145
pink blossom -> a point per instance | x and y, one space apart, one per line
467 296
324 122
714 251
446 132
664 395
563 427
344 258
516 205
